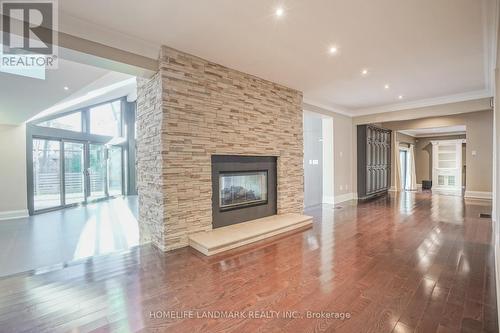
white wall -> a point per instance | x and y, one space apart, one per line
328 164
343 169
313 159
13 192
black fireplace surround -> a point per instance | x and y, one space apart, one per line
243 188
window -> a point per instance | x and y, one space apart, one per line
80 156
70 122
106 119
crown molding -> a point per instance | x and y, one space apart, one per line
429 135
428 102
469 96
446 142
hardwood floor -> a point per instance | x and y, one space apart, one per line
51 240
414 262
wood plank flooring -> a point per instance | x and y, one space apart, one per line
408 263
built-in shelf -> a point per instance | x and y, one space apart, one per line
374 161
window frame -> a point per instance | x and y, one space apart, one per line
85 117
61 115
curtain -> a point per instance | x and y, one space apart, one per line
398 168
413 176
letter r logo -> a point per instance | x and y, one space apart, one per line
27 26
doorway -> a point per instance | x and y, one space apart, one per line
318 159
447 165
67 173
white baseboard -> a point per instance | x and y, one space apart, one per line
345 197
393 189
419 186
13 214
328 199
478 195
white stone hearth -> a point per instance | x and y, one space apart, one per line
236 235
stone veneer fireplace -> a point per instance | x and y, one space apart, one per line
243 188
193 109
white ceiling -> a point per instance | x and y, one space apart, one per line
23 97
437 131
429 51
110 86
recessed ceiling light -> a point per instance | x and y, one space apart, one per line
333 50
280 11
66 88
364 72
400 96
386 86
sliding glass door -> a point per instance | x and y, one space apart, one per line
74 172
47 177
82 155
115 170
67 172
97 172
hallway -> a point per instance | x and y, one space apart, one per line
404 263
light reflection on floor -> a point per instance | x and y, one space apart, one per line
53 239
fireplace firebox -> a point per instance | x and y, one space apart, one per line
243 188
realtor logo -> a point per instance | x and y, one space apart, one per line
29 33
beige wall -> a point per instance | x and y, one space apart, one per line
405 139
342 142
423 156
479 127
479 135
13 193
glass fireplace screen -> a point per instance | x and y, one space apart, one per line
242 189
